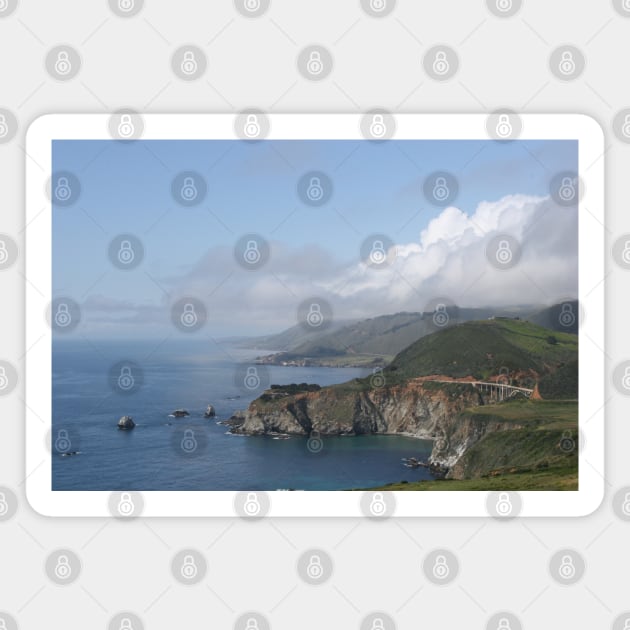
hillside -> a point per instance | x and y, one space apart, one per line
559 317
485 350
477 432
369 342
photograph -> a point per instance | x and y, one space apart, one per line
316 315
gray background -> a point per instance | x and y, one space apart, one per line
126 63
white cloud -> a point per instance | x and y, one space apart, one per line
448 260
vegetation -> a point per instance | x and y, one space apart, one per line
556 478
482 349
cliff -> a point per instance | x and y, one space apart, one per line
425 392
419 408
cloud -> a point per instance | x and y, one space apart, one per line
448 260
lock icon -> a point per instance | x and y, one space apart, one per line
62 443
440 315
504 254
504 624
625 254
440 568
315 318
189 190
567 443
440 189
378 255
252 380
252 505
252 127
504 505
62 64
504 126
377 505
189 443
126 254
125 505
625 129
252 624
625 381
314 64
378 378
126 127
378 624
567 316
440 63
125 624
4 508
4 128
377 127
567 568
567 189
315 192
62 316
189 568
126 5
63 192
252 5
625 506
63 570
314 570
567 63
4 381
126 380
314 442
378 5
189 63
504 5
188 317
4 254
252 254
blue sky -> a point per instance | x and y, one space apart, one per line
126 188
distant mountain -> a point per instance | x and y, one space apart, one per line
369 342
562 317
289 338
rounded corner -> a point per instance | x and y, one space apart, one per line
37 125
32 499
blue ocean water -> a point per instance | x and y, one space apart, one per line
191 375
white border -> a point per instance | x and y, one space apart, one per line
314 126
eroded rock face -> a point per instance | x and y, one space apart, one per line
415 409
126 423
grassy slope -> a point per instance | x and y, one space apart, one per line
549 479
482 348
529 458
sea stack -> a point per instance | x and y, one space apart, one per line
210 412
180 413
126 423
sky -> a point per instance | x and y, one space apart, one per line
315 251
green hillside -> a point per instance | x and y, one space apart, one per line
483 349
373 341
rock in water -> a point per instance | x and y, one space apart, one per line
210 412
180 413
126 423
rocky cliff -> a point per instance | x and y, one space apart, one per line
418 408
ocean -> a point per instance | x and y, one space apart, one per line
195 453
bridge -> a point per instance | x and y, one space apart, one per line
500 391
